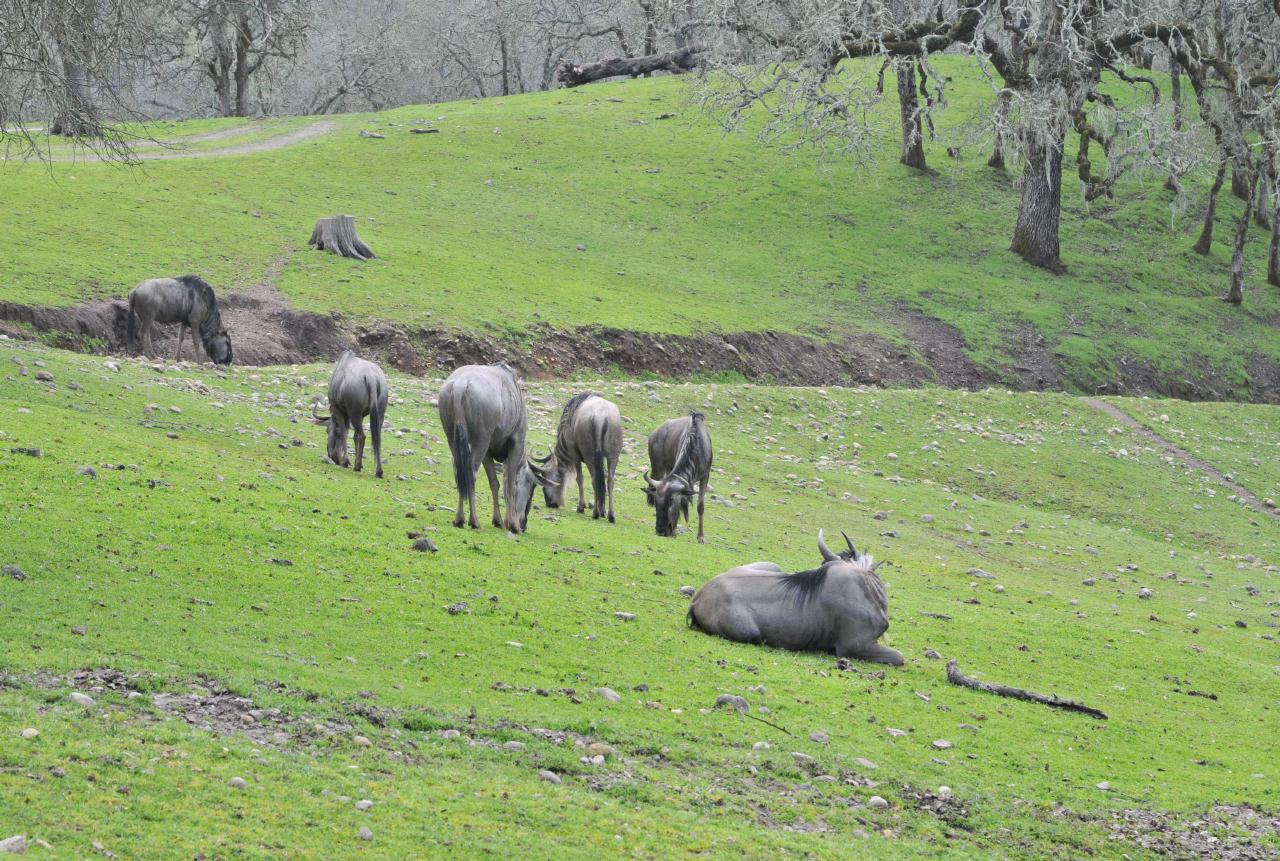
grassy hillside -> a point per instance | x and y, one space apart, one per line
215 556
585 207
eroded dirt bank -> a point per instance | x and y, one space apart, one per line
266 330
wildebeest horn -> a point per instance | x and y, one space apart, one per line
827 555
540 459
852 550
649 480
319 419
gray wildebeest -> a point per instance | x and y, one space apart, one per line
680 453
483 415
187 301
357 388
590 432
839 607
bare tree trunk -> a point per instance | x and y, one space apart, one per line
1239 184
1035 238
1273 256
682 60
1235 293
1205 242
1002 116
506 64
1262 206
909 111
77 115
1175 85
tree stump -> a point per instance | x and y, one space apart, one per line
338 235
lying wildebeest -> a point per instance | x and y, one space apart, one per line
187 301
357 388
680 453
482 412
840 606
590 432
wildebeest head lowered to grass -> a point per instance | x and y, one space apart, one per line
483 414
357 388
838 607
590 432
187 301
680 454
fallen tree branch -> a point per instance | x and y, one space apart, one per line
682 60
958 678
769 723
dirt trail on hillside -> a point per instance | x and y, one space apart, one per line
272 143
1247 496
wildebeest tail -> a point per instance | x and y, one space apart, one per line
376 410
693 621
460 447
131 328
597 465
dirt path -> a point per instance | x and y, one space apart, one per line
296 136
1247 496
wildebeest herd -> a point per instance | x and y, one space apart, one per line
840 607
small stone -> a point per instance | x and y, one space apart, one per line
819 737
237 783
864 762
112 366
1144 592
16 845
927 518
626 617
549 776
363 804
79 630
30 732
1105 786
944 791
599 748
733 701
609 694
81 699
361 741
87 471
942 744
687 591
896 733
875 802
802 759
14 571
364 833
513 746
980 574
425 545
932 655
581 247
761 745
1241 624
1089 581
998 588
44 376
450 733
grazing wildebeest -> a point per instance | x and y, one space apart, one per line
357 388
482 412
680 454
590 432
840 606
187 301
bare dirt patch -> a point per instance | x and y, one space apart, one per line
1224 833
173 152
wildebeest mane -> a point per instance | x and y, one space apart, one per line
684 465
212 323
803 586
563 434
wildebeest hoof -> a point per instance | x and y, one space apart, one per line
611 520
701 540
458 523
378 474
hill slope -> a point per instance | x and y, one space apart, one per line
238 609
525 218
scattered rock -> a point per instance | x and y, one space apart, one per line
819 737
1088 581
30 732
87 471
761 745
237 783
732 701
79 630
1144 592
425 545
944 791
980 574
361 741
932 655
363 804
14 571
864 762
81 699
549 776
687 591
513 746
17 844
29 452
803 759
609 694
450 733
599 748
875 802
455 609
1105 786
626 617
44 376
942 744
365 133
364 832
998 588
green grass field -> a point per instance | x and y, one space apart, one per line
171 571
684 230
